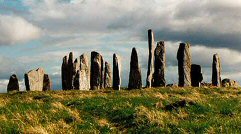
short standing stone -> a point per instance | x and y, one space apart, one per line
216 71
184 65
135 81
116 72
97 71
196 75
107 76
82 73
34 80
150 69
229 83
13 84
160 65
47 83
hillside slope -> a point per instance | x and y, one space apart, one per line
166 110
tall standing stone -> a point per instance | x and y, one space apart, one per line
97 71
67 72
34 80
184 65
13 84
135 81
216 71
107 76
116 72
160 65
150 70
82 73
196 75
47 83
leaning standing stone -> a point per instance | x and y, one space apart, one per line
116 72
160 65
184 65
135 81
196 75
107 76
150 70
34 80
216 71
13 84
96 76
47 83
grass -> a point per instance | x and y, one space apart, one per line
213 110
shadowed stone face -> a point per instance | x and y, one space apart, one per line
150 70
97 71
216 73
135 81
184 65
13 84
107 76
67 72
160 64
116 72
196 75
47 84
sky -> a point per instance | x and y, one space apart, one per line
39 33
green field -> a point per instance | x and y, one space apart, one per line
206 110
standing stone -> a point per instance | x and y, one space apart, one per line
34 80
68 72
184 65
216 71
135 81
97 71
116 72
150 70
107 76
82 73
47 83
160 65
196 75
13 84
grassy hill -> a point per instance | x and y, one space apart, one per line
158 110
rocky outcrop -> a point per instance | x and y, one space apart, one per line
107 76
184 65
97 71
37 80
135 81
67 72
13 84
150 69
216 71
196 75
160 65
229 83
116 72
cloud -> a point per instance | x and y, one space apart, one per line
14 30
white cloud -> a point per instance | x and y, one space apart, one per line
14 29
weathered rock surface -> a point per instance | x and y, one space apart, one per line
13 84
216 71
196 75
135 81
160 65
116 72
67 72
34 80
107 76
184 65
47 83
229 83
97 71
150 69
